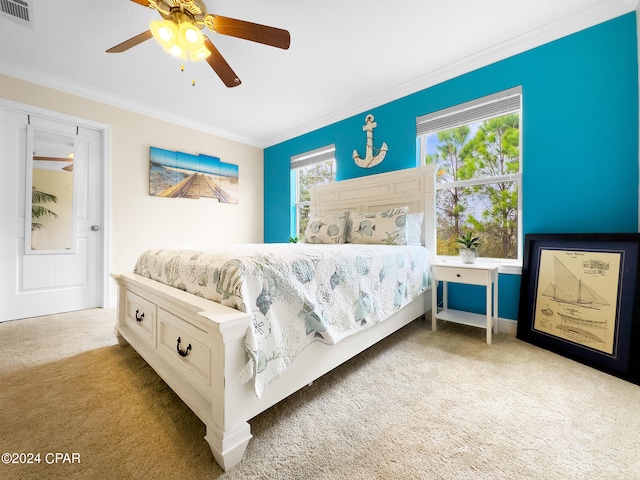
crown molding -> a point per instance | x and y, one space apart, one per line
602 12
57 83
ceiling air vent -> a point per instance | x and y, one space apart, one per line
18 9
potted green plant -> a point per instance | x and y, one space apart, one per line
469 244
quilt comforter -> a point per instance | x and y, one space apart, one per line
296 293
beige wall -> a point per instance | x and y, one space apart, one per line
139 221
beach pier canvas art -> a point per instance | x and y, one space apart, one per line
178 174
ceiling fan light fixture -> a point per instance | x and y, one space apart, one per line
177 51
190 37
199 54
165 32
188 33
183 41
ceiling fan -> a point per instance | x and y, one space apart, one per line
180 34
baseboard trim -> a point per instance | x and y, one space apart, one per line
508 326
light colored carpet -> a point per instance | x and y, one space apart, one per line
419 405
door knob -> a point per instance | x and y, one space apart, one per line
95 228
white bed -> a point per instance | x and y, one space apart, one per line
204 367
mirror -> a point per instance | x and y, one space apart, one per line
49 216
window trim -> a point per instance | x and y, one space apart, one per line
306 159
498 104
514 177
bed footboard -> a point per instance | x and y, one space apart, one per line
196 346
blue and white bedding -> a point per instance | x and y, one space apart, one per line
296 293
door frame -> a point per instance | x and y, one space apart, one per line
105 184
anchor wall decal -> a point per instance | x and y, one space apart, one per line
370 160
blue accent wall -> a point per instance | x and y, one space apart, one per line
579 140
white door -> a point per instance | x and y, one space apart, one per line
38 281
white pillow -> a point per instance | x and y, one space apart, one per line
414 228
327 229
386 228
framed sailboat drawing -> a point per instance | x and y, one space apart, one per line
578 299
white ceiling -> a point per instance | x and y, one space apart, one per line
345 56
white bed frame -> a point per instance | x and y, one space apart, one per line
151 315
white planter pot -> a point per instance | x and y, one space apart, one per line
468 255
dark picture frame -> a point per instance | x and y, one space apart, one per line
580 298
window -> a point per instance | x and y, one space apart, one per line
311 168
476 147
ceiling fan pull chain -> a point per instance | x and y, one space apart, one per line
193 77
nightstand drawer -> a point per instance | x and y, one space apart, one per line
461 275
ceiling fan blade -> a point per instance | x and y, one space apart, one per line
132 42
220 65
275 37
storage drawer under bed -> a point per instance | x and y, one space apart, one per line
140 317
185 346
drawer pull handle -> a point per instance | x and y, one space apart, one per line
139 318
183 353
458 275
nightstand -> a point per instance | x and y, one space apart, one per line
471 274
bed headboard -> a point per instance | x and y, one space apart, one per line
412 187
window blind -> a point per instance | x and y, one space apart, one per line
318 155
498 104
